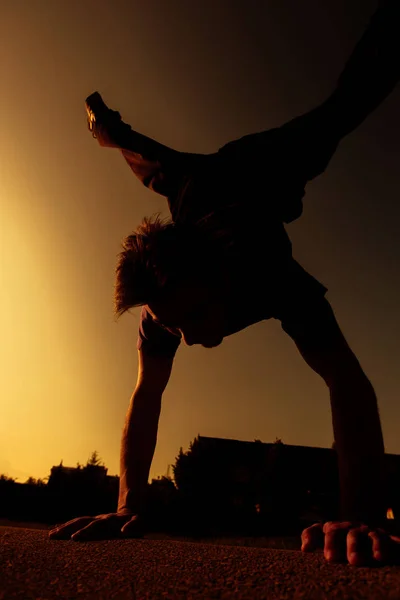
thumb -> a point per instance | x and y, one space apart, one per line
133 527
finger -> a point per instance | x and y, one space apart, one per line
65 531
335 543
395 538
133 528
328 525
333 525
312 537
359 546
100 529
381 545
58 525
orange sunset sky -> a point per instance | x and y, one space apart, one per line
193 75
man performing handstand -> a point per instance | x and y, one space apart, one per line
224 262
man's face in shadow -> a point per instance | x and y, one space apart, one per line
194 309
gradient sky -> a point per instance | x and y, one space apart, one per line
193 75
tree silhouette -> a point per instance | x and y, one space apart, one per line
179 468
94 460
6 478
31 481
38 482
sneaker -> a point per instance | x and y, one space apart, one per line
105 124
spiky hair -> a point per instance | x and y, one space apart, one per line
157 254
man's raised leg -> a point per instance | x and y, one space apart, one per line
370 75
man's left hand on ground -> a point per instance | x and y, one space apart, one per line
359 545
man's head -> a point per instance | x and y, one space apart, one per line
174 271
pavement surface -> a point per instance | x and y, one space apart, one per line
34 567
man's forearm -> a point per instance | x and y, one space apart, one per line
360 451
138 444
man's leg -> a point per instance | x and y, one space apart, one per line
356 424
370 75
301 149
373 70
158 167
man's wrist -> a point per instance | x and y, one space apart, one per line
132 502
363 490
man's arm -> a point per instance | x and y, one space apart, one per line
355 416
361 454
137 449
139 435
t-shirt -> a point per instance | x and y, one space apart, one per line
239 312
250 192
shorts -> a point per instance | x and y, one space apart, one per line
296 294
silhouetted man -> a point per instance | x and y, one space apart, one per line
224 262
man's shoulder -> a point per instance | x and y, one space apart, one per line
154 339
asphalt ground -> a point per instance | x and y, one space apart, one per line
34 567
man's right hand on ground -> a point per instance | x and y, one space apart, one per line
101 527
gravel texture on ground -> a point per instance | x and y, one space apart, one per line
34 567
